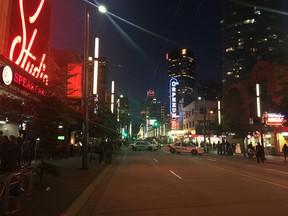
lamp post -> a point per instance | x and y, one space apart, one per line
85 93
258 103
204 126
85 98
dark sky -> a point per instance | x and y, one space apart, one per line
136 58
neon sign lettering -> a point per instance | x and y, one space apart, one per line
26 58
25 83
274 119
173 97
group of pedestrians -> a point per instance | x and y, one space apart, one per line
105 149
225 148
14 151
259 152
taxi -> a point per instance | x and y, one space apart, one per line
181 147
143 145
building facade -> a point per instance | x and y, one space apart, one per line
251 31
24 49
271 127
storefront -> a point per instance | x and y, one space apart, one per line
24 32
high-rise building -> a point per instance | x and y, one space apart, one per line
181 65
251 31
103 81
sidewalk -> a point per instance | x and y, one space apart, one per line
268 157
57 193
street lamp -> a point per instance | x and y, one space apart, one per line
85 97
204 126
258 103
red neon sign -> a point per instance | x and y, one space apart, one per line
22 50
274 119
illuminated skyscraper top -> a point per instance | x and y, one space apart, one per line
181 65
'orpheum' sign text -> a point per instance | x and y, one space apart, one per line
29 37
173 98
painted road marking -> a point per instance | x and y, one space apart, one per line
277 171
247 176
175 174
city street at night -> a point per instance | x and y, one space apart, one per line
160 183
143 108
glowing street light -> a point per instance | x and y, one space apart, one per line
102 9
85 97
204 126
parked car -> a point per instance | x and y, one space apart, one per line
143 145
181 147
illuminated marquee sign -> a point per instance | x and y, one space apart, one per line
29 35
16 78
173 98
274 119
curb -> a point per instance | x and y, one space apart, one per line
78 202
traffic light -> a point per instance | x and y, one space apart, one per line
156 124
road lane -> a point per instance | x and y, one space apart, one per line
157 183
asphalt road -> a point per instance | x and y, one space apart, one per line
146 183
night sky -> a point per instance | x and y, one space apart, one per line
136 57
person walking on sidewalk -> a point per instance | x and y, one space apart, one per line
285 151
101 151
108 148
259 152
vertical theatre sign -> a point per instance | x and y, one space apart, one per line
29 36
174 112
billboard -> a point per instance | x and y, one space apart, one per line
74 89
29 36
174 110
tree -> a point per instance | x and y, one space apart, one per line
283 92
236 119
49 112
104 123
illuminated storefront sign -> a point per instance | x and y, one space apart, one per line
274 119
10 77
173 98
150 93
7 75
29 35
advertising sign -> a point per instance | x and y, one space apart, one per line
274 119
173 98
29 36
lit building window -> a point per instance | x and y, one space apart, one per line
249 21
230 49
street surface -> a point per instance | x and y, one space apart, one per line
144 183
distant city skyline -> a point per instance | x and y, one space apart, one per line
136 58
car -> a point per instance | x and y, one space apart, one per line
182 147
144 145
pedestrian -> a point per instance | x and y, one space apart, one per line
2 146
119 144
108 148
285 151
101 151
259 153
